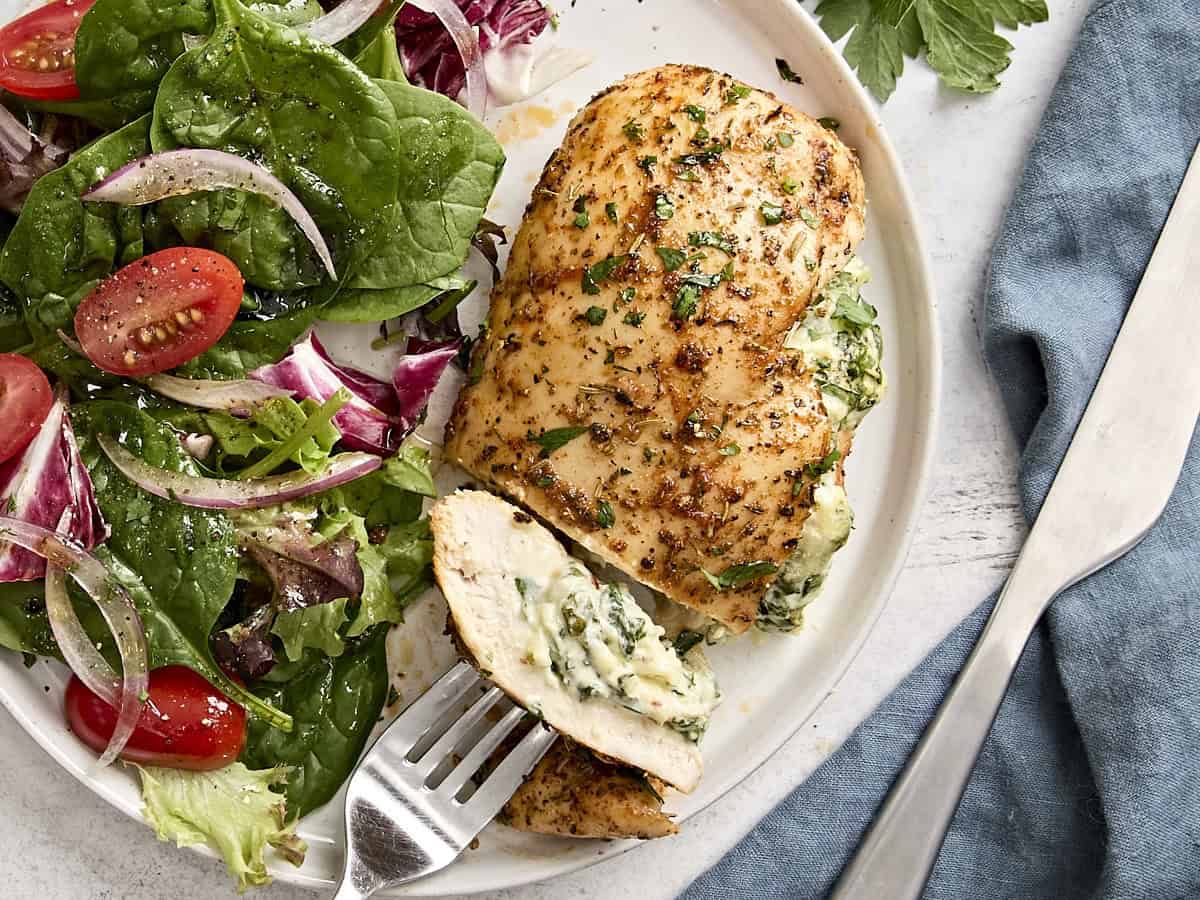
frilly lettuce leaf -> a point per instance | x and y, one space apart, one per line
232 810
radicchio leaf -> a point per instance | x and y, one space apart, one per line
432 60
379 416
48 485
26 157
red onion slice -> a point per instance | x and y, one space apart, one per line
254 493
178 172
341 22
239 396
467 42
126 693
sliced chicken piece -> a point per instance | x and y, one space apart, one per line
633 388
573 793
581 654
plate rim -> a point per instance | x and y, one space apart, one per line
929 399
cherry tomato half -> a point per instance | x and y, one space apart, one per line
160 311
186 722
37 51
25 399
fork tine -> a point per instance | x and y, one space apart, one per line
499 787
459 776
423 713
436 755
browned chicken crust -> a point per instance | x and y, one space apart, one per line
573 793
684 225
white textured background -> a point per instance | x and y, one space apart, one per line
963 156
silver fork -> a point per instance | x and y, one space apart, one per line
398 827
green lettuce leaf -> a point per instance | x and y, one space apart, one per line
313 627
232 810
271 428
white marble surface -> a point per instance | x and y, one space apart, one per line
963 155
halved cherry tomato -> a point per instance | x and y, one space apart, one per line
160 311
37 51
186 722
25 399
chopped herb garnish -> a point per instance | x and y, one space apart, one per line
687 175
601 271
634 318
819 468
810 218
610 210
702 280
647 164
663 207
634 131
727 273
772 213
605 517
786 73
736 93
705 157
672 259
701 137
582 219
730 450
829 122
695 113
627 294
686 303
555 438
610 357
785 139
790 185
545 481
712 239
595 315
739 574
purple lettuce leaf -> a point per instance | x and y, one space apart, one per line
417 374
49 485
428 53
379 415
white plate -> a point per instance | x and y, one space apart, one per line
771 684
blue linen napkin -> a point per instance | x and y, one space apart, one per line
1089 785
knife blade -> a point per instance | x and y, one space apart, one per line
1141 416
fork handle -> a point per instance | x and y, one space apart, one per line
897 855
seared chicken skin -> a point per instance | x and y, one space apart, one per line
633 388
574 793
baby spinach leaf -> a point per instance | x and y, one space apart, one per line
178 563
335 704
388 303
13 332
395 572
449 167
304 111
373 47
61 246
124 47
248 344
24 627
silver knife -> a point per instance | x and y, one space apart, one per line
1088 520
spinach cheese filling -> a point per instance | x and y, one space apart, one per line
594 640
843 346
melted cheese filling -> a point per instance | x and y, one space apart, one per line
594 639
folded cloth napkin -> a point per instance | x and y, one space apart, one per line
1089 785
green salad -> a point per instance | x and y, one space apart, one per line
212 520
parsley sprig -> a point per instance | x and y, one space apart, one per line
958 37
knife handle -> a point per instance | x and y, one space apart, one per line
897 855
